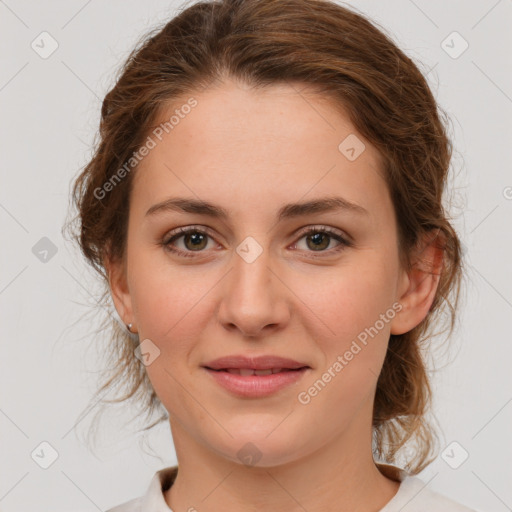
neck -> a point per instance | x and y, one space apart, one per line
341 476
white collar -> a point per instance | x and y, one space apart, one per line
154 499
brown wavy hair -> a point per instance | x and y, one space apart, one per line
345 58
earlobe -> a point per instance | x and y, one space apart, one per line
119 292
420 283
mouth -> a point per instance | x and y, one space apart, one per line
252 371
252 383
250 376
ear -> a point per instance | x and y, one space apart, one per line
418 285
116 271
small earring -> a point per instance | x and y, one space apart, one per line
129 327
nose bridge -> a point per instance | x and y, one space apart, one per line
251 276
251 298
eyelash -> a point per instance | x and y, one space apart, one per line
180 232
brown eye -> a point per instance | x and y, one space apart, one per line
319 239
193 240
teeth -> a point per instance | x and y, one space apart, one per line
263 372
249 371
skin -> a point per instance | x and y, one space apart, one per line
251 151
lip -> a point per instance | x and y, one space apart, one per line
256 363
255 386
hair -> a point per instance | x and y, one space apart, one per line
355 65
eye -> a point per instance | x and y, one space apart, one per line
194 240
319 238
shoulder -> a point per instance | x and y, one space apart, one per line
128 506
153 499
415 496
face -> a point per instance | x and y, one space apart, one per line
321 286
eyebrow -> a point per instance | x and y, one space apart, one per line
288 211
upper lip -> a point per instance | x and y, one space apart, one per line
256 363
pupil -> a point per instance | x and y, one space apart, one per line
318 237
197 239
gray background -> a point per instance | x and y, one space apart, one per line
50 112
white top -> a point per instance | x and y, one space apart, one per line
412 495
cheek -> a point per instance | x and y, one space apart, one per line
351 324
167 300
170 305
345 301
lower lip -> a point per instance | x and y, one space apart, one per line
255 386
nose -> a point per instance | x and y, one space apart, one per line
254 298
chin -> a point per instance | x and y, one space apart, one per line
268 447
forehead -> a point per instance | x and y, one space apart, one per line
238 143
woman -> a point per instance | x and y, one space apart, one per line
265 207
